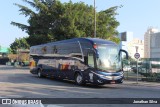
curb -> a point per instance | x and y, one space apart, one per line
149 84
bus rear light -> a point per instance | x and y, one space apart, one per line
32 64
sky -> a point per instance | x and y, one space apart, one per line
135 16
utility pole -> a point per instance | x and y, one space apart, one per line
94 18
137 61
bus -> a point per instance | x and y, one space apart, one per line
84 60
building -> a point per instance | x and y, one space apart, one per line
4 51
155 52
132 45
125 38
129 44
147 36
155 45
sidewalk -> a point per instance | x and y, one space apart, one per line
141 83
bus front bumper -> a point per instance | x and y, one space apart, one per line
108 78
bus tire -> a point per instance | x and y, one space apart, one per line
79 79
40 73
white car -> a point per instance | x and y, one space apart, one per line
127 68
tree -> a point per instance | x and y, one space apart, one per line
54 21
9 50
107 24
20 43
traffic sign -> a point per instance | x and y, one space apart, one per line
137 55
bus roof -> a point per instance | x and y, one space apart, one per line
100 41
91 40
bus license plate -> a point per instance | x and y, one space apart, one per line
113 82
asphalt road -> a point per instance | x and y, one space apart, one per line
19 83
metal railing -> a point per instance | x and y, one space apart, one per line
148 70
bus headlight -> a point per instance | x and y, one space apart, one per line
121 73
105 77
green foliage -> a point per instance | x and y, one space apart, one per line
54 21
20 43
9 50
151 77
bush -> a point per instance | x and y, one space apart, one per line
152 77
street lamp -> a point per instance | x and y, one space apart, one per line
94 18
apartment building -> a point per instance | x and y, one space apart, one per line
155 45
125 38
147 37
132 45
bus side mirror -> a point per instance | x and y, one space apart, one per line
120 51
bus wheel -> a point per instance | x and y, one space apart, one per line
39 73
79 79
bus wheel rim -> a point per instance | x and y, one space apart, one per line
39 74
79 79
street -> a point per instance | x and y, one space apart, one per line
19 83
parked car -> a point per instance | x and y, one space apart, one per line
127 68
134 69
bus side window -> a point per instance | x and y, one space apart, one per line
91 59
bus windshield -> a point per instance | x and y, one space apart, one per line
108 59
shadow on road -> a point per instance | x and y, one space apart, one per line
70 83
23 76
20 83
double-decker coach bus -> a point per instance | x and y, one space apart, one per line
84 60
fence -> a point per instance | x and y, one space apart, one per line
148 70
